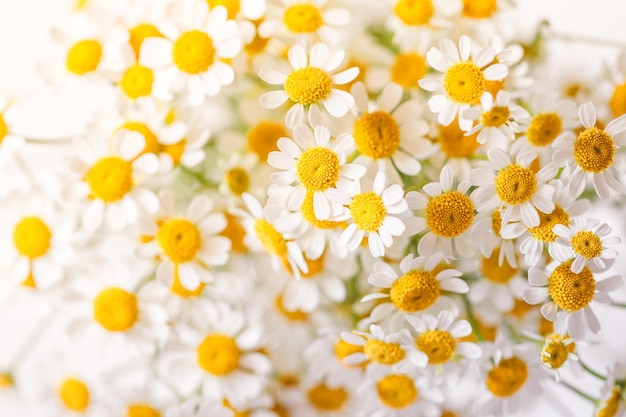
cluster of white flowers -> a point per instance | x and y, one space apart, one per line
312 208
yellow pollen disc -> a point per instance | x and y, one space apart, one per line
142 410
137 81
316 266
396 391
29 281
218 354
408 69
464 83
343 349
618 100
494 86
495 117
152 144
439 345
479 9
554 352
6 380
4 130
594 150
414 291
454 143
175 150
280 410
376 135
74 394
318 168
544 232
545 326
448 413
271 239
414 12
587 244
258 44
521 308
544 128
571 291
308 85
84 56
262 138
193 52
295 315
180 239
327 399
139 33
309 215
31 237
449 214
496 222
288 380
303 18
368 211
232 6
178 289
508 377
611 408
235 231
384 353
110 179
115 309
516 184
499 274
237 180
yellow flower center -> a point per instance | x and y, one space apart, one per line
308 213
4 130
479 9
235 231
175 150
308 85
142 410
137 81
496 273
6 380
587 244
618 100
84 56
139 33
496 222
318 168
303 18
237 180
368 211
327 399
414 12
396 391
115 309
544 128
611 408
407 69
384 353
296 315
495 117
544 232
376 135
258 44
571 291
414 291
449 214
218 354
262 138
554 352
454 143
271 239
31 237
507 377
594 150
110 178
343 349
439 345
180 239
193 52
178 289
516 184
448 413
151 143
74 394
464 83
232 6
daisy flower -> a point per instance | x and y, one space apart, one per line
375 212
617 74
593 154
322 398
570 296
557 352
613 401
188 245
192 58
464 80
238 173
310 84
454 147
318 165
149 397
488 227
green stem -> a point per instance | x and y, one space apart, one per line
472 319
591 371
579 392
622 305
198 177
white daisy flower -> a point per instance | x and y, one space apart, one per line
612 402
454 147
144 396
322 398
318 165
310 84
188 246
238 173
558 353
593 154
463 81
190 58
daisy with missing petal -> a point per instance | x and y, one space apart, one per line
570 296
464 79
310 84
187 245
318 165
593 154
375 212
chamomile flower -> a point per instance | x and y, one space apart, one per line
456 148
147 398
558 351
187 246
570 296
318 165
190 58
375 212
310 84
488 226
322 398
593 154
464 79
613 403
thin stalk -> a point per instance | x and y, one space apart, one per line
591 371
579 392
